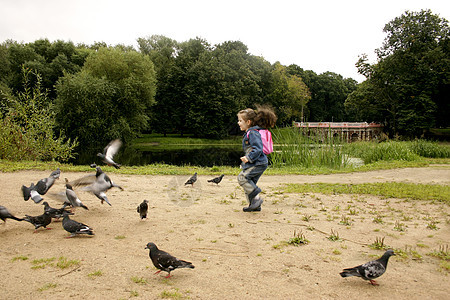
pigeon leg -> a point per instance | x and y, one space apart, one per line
373 282
48 228
157 272
168 276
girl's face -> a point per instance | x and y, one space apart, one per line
243 125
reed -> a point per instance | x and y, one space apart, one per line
293 148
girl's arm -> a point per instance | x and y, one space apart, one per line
254 139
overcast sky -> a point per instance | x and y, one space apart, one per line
318 35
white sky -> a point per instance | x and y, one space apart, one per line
318 35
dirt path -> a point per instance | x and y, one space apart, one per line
237 255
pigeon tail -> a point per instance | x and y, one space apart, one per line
26 192
350 272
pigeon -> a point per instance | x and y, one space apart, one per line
5 214
98 184
72 197
109 152
217 180
39 221
142 209
74 227
41 187
166 262
30 192
192 180
371 270
56 213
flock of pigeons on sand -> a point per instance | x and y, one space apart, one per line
99 183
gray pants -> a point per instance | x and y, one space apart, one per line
248 179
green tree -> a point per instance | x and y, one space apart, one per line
298 97
109 98
162 51
410 81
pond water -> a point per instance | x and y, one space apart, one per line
204 156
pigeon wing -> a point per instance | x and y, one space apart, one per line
112 148
372 270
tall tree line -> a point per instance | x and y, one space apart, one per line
99 92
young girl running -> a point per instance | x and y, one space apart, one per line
254 162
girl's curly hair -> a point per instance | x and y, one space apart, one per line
263 116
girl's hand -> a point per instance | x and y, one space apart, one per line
244 159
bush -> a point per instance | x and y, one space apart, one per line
26 131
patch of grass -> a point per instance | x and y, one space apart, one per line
47 287
443 253
345 221
445 266
174 294
198 221
378 219
298 239
306 217
379 244
435 192
20 257
337 252
41 263
399 226
134 294
334 236
97 273
119 237
432 225
139 280
64 263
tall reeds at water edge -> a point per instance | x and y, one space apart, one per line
293 148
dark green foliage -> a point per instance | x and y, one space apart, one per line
408 88
108 99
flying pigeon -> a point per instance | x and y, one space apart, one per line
371 270
30 192
108 153
192 180
166 262
41 187
98 184
56 213
5 214
74 227
217 180
39 221
142 209
72 197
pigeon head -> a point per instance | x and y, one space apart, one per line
151 246
389 253
55 174
93 166
145 201
45 203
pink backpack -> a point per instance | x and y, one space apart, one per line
266 137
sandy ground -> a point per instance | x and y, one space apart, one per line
236 255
